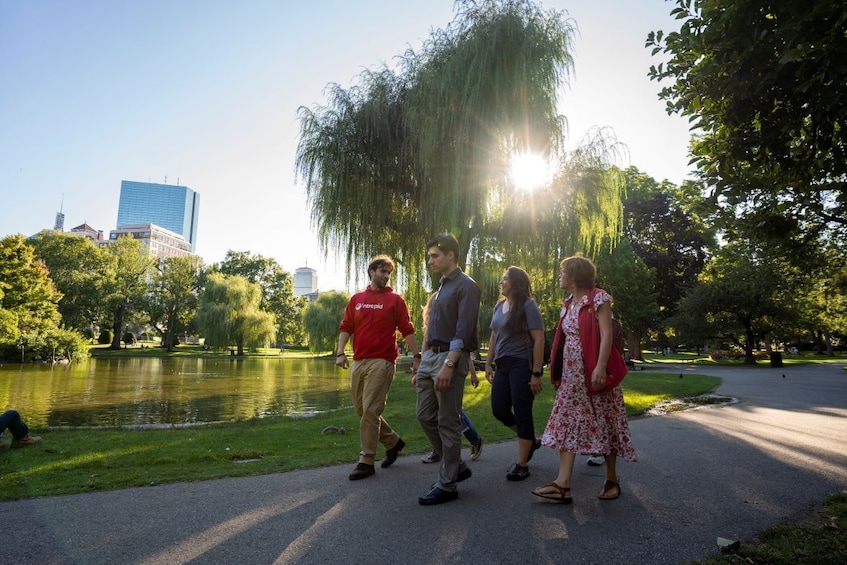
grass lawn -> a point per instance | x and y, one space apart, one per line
85 460
689 358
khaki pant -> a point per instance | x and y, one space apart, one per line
370 380
439 414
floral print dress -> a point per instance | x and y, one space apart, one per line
579 422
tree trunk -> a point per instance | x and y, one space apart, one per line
117 328
827 335
818 342
633 343
748 347
168 340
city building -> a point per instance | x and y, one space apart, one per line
161 243
306 282
87 231
170 206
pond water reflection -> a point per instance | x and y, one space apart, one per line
138 391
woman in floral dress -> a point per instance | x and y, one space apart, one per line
580 422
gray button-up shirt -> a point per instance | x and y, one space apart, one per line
454 311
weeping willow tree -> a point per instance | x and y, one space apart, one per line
424 148
230 313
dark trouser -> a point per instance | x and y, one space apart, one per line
510 390
12 420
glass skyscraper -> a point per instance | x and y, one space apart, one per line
173 207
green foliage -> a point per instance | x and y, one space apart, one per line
77 267
230 313
104 337
430 148
9 332
125 281
172 297
742 294
322 319
277 291
763 84
65 344
666 237
28 298
632 284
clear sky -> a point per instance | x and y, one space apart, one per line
204 93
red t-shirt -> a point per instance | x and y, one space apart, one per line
373 318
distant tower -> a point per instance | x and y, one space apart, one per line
305 281
60 217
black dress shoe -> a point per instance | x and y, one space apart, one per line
391 454
362 471
437 496
464 475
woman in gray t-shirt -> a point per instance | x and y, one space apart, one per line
514 363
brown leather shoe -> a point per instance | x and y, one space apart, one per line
25 441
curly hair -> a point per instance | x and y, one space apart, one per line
379 261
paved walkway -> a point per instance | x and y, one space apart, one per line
702 474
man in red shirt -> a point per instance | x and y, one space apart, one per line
375 315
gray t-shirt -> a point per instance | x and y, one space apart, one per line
515 345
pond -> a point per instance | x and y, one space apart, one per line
150 391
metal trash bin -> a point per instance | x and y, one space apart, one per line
776 359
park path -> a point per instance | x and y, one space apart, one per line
725 471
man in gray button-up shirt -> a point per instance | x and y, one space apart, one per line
450 338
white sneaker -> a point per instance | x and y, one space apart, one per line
596 460
431 457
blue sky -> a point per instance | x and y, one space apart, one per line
205 93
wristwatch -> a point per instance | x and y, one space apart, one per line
417 355
536 373
450 363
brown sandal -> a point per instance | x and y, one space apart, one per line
607 486
563 496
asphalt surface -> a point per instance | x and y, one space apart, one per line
726 471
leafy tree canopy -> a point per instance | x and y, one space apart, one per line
763 83
277 290
28 300
78 268
406 154
230 313
125 281
173 296
26 291
322 319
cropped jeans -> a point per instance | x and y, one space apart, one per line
511 396
12 419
